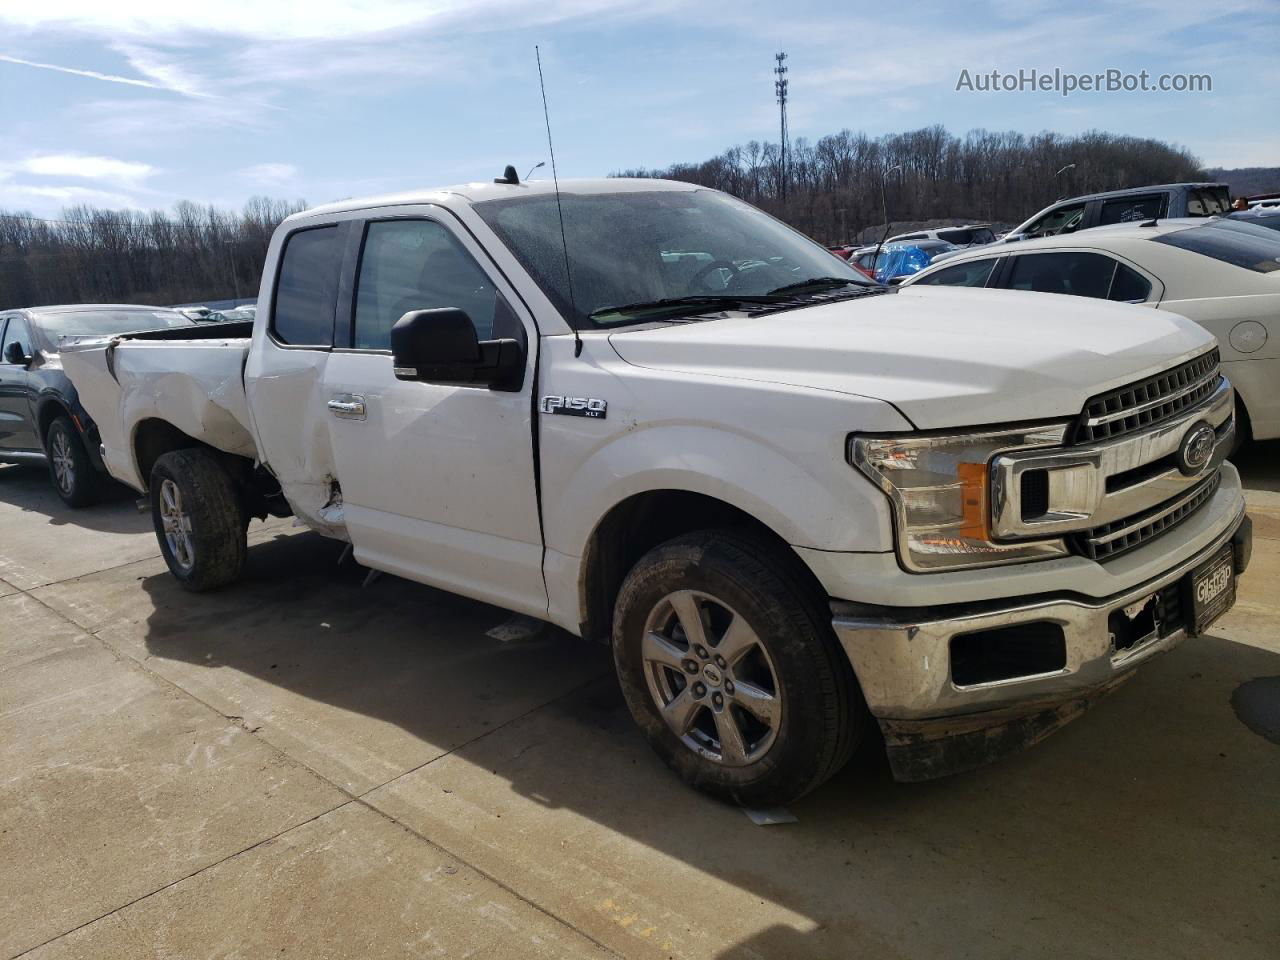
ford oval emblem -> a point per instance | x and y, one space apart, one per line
1197 449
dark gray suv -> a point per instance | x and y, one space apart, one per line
41 419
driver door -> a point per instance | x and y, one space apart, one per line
437 480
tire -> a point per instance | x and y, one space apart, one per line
199 519
74 476
785 747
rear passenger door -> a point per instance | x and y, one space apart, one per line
17 416
438 480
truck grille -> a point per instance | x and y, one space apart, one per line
1147 402
1120 536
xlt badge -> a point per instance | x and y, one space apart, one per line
575 406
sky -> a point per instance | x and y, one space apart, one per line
142 103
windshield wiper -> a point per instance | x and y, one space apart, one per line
697 300
818 282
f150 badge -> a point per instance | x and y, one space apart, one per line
575 406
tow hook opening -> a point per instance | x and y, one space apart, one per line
1008 653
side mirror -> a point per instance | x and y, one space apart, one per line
441 346
13 353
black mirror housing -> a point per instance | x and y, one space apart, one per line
13 353
441 346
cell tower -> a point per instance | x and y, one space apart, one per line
780 88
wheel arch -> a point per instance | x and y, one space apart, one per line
635 525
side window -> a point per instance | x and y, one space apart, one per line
417 265
971 274
307 287
1133 209
16 332
1207 203
1059 220
1077 274
1129 286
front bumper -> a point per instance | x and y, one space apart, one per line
933 725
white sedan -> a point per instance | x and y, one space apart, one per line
1224 274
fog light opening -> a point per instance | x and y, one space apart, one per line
1008 653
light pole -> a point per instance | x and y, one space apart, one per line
534 167
232 261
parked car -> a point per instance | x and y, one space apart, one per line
970 235
843 251
900 260
863 259
1125 206
41 419
1223 273
1268 217
795 502
231 314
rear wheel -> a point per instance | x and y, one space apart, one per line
199 519
73 474
729 665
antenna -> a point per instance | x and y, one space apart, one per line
780 88
573 321
884 208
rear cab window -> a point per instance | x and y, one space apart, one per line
306 293
1230 241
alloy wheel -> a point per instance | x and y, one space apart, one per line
64 464
176 523
711 678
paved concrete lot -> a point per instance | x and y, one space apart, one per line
304 766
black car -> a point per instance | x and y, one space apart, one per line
41 418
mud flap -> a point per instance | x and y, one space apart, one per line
940 746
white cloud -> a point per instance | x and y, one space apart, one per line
107 169
47 197
77 72
270 173
277 20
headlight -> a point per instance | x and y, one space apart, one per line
941 493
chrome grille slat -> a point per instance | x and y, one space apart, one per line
1140 405
1110 540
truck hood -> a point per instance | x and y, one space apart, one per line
945 357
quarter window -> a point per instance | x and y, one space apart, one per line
971 274
417 265
307 288
1129 285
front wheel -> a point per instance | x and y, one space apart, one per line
199 519
73 474
728 663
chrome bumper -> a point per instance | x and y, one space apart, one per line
902 657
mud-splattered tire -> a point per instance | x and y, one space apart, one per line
199 519
74 476
720 631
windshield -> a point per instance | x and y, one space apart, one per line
1241 244
647 246
98 323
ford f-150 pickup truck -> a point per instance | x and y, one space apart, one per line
797 503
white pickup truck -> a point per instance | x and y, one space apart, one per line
797 503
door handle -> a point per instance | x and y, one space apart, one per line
348 406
